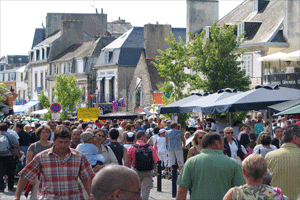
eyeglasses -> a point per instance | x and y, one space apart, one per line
137 193
101 136
199 138
229 132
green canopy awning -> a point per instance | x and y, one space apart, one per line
290 111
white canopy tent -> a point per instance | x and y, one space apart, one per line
40 112
279 56
294 56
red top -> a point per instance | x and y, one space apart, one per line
131 153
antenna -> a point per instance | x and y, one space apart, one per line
93 5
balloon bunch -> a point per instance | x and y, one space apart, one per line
118 103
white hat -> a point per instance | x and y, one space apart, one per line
162 130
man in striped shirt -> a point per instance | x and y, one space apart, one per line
284 163
59 168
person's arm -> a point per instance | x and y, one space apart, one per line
29 157
150 141
183 140
125 157
181 193
228 195
122 142
22 183
190 153
87 186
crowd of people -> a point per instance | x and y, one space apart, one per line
215 161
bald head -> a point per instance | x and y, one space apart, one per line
116 181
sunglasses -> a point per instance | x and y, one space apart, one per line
101 136
199 138
229 132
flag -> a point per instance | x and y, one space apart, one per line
90 97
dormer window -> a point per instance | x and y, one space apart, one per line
48 52
43 53
37 55
108 57
241 29
255 6
207 32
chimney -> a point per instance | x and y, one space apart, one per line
201 13
291 22
154 38
72 31
101 10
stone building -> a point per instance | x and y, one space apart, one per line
117 61
144 84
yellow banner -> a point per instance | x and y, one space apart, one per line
87 114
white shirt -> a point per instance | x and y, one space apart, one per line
13 133
233 148
121 131
218 127
161 145
260 146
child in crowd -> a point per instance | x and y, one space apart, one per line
90 150
251 146
162 151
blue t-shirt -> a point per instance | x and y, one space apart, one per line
174 141
259 128
139 129
90 151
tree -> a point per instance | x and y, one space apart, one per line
67 94
216 59
44 100
170 65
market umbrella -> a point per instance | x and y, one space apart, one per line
290 111
175 106
197 105
257 99
285 105
118 115
274 57
294 56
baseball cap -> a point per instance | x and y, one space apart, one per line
162 130
87 135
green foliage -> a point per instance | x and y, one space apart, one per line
47 116
170 65
216 59
44 100
67 94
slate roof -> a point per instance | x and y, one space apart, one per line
77 51
14 59
116 28
128 47
50 39
271 19
39 36
155 78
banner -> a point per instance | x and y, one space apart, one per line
87 114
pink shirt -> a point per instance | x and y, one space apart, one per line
131 153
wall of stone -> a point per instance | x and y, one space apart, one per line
291 23
154 38
201 13
141 72
93 23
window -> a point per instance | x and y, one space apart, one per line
48 52
255 6
12 77
247 65
241 28
31 56
108 57
1 77
56 68
35 81
46 82
42 80
21 76
43 54
207 34
37 55
6 77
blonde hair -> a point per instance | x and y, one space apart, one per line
254 167
26 126
227 129
196 135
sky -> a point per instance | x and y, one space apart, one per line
18 19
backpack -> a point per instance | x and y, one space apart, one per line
4 144
143 158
